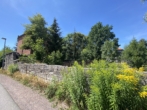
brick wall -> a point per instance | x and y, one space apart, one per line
19 43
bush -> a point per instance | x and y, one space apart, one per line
51 90
77 86
54 58
12 69
114 88
27 59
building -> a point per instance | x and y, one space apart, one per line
19 44
11 58
120 50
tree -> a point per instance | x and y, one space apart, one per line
55 40
35 37
54 58
97 36
135 53
7 50
42 41
73 45
86 55
109 50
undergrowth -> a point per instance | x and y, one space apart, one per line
103 86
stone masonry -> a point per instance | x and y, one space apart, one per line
47 72
11 58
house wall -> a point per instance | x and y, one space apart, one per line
19 44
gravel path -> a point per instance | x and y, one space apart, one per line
25 97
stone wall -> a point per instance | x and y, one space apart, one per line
10 58
47 72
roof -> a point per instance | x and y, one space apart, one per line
20 36
12 52
120 49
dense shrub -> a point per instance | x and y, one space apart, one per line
77 86
51 89
27 59
104 86
12 69
115 87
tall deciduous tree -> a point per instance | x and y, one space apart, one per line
109 50
73 45
97 36
35 37
136 53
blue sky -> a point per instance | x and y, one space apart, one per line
126 17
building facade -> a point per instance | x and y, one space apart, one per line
19 44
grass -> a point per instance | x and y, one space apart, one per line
28 80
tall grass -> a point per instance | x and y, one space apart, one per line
105 86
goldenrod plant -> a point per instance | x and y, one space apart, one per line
115 87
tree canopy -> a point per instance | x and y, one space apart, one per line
136 53
110 50
41 40
73 44
96 38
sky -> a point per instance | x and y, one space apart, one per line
126 17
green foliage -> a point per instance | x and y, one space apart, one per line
109 50
55 36
86 55
77 86
54 58
115 87
136 53
96 38
104 86
73 45
62 93
35 35
12 68
27 59
51 89
41 40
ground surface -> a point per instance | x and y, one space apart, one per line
25 97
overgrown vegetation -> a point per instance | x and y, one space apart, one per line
104 86
12 68
135 54
47 45
26 79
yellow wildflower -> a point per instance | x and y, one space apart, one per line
124 65
129 71
143 94
130 79
141 69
